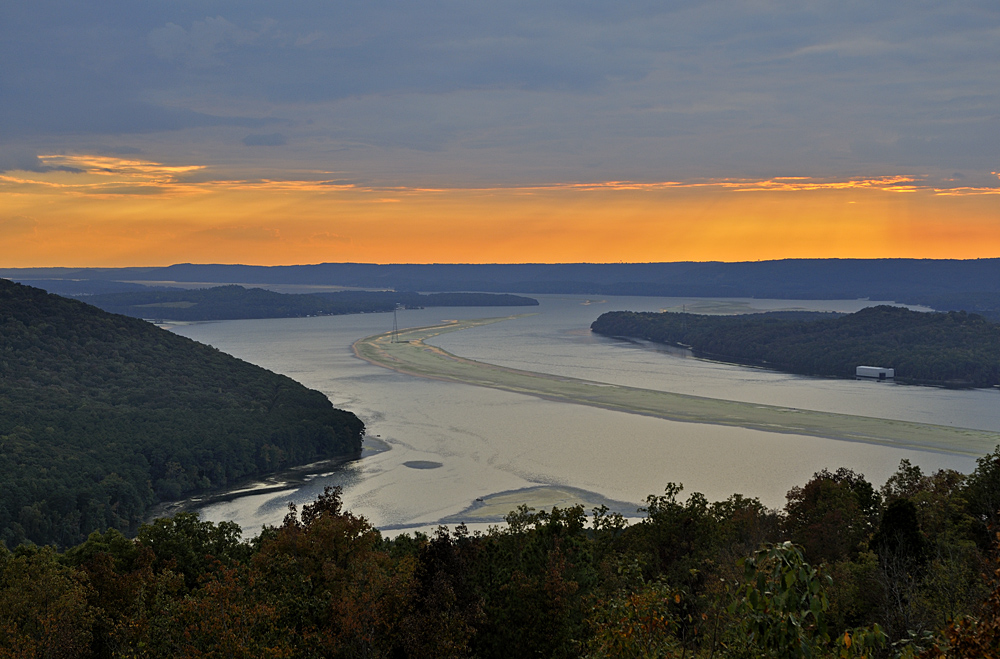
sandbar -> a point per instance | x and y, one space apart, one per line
406 352
495 507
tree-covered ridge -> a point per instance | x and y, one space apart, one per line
102 416
953 348
233 302
845 569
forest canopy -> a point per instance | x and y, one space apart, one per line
844 570
103 416
951 349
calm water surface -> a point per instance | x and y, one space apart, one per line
450 444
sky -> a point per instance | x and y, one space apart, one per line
169 131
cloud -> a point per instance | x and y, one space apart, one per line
75 72
200 45
968 141
108 116
241 233
17 226
324 237
104 176
100 176
271 139
513 91
122 150
26 161
122 167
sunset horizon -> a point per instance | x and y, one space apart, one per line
253 133
97 218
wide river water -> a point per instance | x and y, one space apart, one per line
448 452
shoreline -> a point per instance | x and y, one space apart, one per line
279 481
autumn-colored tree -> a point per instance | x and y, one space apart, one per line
640 623
129 600
223 619
43 607
332 587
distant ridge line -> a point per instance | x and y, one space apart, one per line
903 280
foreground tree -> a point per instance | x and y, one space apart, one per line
832 514
781 608
332 587
43 607
978 636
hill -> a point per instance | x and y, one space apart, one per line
952 349
233 302
103 416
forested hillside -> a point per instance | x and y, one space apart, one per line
102 416
953 348
232 302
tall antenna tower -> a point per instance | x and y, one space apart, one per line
395 326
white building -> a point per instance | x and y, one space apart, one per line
875 373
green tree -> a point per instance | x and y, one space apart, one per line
781 610
534 576
983 494
191 546
832 514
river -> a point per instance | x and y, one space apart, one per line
442 452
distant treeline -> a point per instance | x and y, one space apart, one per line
103 416
952 348
233 302
970 285
843 570
984 304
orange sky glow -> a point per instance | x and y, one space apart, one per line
116 212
